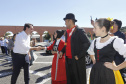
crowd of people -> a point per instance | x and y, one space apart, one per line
69 47
7 44
4 45
107 49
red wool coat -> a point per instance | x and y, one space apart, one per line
61 70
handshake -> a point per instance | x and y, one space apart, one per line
37 48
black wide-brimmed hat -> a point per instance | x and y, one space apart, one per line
70 16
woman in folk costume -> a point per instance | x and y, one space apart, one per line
58 71
103 49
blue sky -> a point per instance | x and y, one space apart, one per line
52 12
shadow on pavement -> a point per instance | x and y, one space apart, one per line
40 79
43 69
43 54
5 73
5 63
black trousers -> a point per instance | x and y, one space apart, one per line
12 54
2 49
19 62
69 70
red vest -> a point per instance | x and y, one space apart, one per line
68 45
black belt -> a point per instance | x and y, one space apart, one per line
20 54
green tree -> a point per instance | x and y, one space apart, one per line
7 34
88 34
47 36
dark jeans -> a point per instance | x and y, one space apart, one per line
9 51
19 62
32 58
6 51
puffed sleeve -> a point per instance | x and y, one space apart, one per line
120 47
51 46
91 49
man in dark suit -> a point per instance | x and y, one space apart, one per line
116 32
75 49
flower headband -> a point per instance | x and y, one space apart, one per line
110 19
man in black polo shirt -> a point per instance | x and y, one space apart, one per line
116 32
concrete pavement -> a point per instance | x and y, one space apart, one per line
40 71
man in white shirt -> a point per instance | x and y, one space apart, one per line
5 45
2 45
21 49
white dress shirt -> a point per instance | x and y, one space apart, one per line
22 43
57 42
5 42
2 43
118 45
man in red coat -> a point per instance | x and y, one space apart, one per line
75 49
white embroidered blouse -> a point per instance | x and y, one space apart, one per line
118 45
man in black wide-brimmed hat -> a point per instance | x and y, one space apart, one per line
75 49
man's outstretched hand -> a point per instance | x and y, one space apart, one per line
39 48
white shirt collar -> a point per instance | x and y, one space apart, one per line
24 33
57 42
71 31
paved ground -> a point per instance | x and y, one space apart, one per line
39 71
